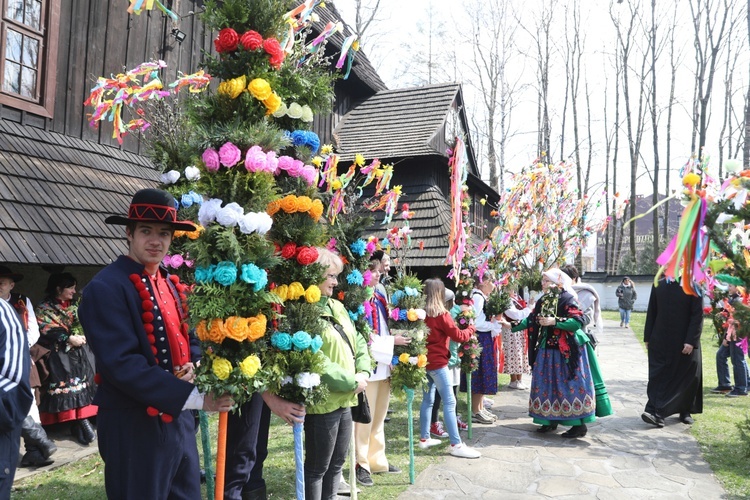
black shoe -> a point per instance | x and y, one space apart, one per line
653 419
35 437
722 389
87 430
392 469
389 410
685 418
577 431
34 458
387 419
77 432
256 494
547 428
363 476
735 393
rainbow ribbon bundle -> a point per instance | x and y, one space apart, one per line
138 6
457 237
686 254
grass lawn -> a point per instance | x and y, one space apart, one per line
719 428
84 480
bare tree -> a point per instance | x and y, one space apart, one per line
746 146
365 15
655 132
431 50
492 35
711 20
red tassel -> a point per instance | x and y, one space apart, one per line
148 305
144 295
149 328
166 418
97 379
151 338
134 278
147 317
152 412
154 350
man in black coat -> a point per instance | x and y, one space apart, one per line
135 319
672 334
15 393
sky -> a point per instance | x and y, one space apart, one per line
402 23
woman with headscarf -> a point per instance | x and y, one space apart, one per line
566 386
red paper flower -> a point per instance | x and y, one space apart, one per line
289 250
251 40
276 61
307 256
273 47
226 41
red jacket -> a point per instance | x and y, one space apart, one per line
442 330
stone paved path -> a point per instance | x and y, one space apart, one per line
620 458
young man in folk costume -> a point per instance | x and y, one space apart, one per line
36 443
135 319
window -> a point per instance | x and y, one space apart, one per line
28 43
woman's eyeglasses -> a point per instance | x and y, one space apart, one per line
332 277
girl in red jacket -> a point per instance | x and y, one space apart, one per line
442 330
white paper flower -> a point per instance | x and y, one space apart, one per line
421 314
281 111
294 111
229 216
170 177
192 173
208 210
265 222
308 380
287 380
412 360
307 114
249 223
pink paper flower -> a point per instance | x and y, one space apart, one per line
331 245
371 247
211 159
296 169
366 277
272 162
285 162
177 260
394 313
229 154
255 159
368 308
310 174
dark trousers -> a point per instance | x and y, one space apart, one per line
327 439
9 444
247 448
145 457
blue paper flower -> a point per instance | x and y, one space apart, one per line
352 315
316 344
358 247
355 278
385 243
225 273
396 297
361 310
402 315
281 341
394 361
305 138
197 199
204 274
301 340
256 276
411 292
186 200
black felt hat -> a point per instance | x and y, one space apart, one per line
5 272
152 205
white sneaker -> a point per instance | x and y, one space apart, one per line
513 385
488 414
521 386
428 443
460 450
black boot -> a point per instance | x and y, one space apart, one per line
256 494
87 431
38 446
77 432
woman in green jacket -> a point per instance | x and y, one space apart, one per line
328 426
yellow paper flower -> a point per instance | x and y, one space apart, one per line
194 235
250 366
421 361
236 328
691 179
282 291
217 332
177 234
404 358
317 161
312 295
359 160
260 89
411 315
272 103
221 368
326 149
257 327
397 189
288 203
296 290
336 185
273 207
304 204
234 87
316 211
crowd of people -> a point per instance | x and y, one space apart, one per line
143 395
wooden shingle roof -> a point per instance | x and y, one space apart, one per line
55 192
398 123
430 224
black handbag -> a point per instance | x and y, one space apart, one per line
360 413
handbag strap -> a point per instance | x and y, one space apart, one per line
337 326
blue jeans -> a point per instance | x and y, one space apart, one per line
327 438
739 366
439 379
625 316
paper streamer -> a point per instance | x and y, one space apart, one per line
468 405
410 420
299 464
208 465
221 456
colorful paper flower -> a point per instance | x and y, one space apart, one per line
211 160
229 154
250 366
221 368
260 89
281 341
226 41
251 40
301 340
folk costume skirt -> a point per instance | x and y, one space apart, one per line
484 378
